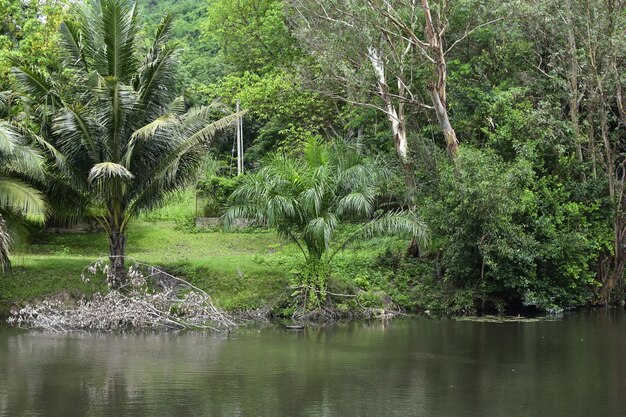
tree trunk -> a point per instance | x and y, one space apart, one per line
573 85
395 115
591 139
442 115
413 250
438 90
614 275
117 247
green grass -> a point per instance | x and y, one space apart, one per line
240 270
179 207
231 266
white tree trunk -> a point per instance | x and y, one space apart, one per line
395 116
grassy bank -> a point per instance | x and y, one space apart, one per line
232 267
241 270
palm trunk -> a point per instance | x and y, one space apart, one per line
5 242
315 274
117 246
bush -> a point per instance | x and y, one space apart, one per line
214 192
512 237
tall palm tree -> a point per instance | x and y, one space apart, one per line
116 132
306 198
19 164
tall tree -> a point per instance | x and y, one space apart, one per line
583 63
263 59
397 51
118 134
200 63
252 34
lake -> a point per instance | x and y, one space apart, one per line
571 366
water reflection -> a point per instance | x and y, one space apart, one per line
418 367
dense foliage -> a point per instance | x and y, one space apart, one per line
501 124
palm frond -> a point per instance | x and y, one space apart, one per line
68 204
318 233
315 153
33 83
191 140
360 203
92 35
119 21
6 99
249 210
163 31
147 131
117 104
66 168
178 106
313 199
18 157
17 195
392 223
280 208
71 38
401 222
8 138
106 170
72 125
157 70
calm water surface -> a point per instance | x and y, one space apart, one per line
575 366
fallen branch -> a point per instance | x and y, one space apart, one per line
152 299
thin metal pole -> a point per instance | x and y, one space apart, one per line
238 137
241 140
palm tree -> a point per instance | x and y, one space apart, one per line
306 199
19 163
113 127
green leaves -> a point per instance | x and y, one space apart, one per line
17 156
119 29
33 83
400 222
18 195
252 34
306 199
116 139
73 43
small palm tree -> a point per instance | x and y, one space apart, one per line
19 163
114 128
305 200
